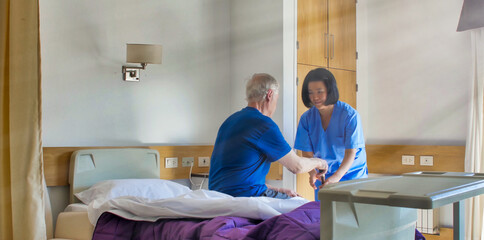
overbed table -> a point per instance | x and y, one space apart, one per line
387 206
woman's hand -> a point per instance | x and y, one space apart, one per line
348 160
333 179
313 176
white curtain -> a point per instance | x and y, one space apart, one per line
474 143
21 171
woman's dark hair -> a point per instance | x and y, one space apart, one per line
325 76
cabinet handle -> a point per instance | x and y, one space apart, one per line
326 45
332 46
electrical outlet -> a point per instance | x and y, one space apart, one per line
187 161
426 160
408 160
204 161
171 162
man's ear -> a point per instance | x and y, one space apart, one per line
270 95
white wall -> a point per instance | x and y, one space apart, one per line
413 69
413 72
210 49
181 101
256 46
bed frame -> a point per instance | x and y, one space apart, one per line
90 166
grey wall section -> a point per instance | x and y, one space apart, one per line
181 101
256 46
413 72
210 49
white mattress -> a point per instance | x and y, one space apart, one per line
76 207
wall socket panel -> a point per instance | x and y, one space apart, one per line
204 161
408 160
171 162
188 161
426 160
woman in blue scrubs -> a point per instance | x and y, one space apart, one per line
330 130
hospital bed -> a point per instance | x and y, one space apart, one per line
122 195
88 167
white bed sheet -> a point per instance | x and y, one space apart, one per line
195 204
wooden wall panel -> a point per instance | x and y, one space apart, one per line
56 162
385 159
180 152
388 158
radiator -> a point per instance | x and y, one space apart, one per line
428 221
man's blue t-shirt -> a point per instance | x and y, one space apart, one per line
246 145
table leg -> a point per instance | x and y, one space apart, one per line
459 220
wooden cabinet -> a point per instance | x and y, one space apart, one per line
326 32
311 29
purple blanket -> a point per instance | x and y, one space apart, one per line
301 223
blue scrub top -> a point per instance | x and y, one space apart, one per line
344 132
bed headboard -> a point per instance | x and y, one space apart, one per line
90 166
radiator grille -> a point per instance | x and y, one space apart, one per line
428 221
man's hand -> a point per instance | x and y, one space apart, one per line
289 192
323 168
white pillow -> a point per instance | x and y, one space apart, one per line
146 188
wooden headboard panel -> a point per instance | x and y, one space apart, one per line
56 162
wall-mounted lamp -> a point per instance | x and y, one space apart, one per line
143 54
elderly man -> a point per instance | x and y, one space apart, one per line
249 141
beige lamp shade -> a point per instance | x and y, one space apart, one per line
143 53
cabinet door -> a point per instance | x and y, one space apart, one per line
311 31
302 71
302 179
346 82
342 34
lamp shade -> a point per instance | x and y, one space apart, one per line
472 15
143 53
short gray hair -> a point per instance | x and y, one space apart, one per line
258 85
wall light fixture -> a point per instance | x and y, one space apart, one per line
143 54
